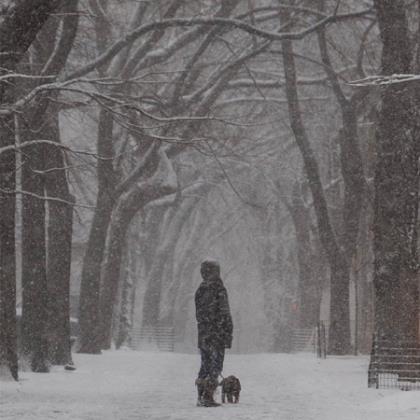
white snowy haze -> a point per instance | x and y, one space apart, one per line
146 137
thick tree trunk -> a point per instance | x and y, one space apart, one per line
363 282
19 26
34 265
50 53
120 220
59 246
8 341
396 186
90 282
60 228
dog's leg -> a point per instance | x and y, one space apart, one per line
223 397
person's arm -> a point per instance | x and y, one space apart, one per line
227 324
198 306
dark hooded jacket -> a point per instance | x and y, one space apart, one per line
212 309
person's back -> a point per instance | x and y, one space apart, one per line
213 315
214 330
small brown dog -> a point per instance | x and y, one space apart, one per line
231 388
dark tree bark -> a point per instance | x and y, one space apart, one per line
20 24
34 265
43 172
396 185
60 213
8 341
90 283
363 271
59 247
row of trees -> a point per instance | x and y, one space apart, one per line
195 104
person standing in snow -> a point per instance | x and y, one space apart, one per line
214 331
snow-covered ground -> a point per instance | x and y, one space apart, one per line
125 385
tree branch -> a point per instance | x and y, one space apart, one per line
114 49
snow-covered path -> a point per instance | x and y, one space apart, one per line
128 385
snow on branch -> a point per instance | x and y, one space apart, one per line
13 75
385 80
266 99
47 198
109 101
19 147
114 49
166 201
275 83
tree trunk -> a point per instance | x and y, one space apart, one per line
34 266
309 288
19 26
120 220
127 285
60 229
339 336
90 282
59 247
8 341
396 186
129 203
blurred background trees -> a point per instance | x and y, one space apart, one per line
147 136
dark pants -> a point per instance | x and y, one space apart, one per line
211 362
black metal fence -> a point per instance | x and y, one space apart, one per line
394 365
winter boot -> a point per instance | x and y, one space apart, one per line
207 399
200 384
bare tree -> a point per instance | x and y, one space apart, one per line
19 25
396 185
46 257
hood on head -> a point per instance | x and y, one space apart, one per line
210 270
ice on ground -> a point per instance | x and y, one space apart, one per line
125 385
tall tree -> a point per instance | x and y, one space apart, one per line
20 23
396 184
340 270
46 252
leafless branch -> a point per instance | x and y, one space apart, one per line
114 49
